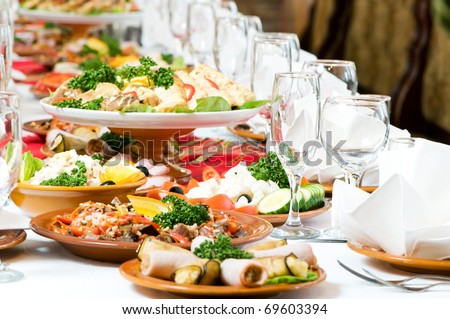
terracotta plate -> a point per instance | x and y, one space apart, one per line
37 126
278 219
117 251
131 271
11 238
418 265
246 133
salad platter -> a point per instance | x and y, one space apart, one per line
131 271
120 251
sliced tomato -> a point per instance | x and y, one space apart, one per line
221 202
248 209
78 231
190 91
168 185
210 172
192 183
195 201
213 84
65 220
304 181
131 93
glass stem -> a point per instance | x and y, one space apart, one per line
294 206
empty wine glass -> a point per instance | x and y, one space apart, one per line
336 77
201 30
295 113
353 130
10 156
230 45
291 37
6 43
178 15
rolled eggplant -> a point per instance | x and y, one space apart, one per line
301 250
198 272
163 263
242 272
284 266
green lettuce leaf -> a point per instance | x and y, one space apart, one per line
311 276
253 104
212 104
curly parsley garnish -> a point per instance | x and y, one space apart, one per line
220 249
181 211
78 104
270 168
91 78
76 178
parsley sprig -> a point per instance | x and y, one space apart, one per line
78 104
76 178
220 249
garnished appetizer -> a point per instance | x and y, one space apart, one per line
218 263
148 87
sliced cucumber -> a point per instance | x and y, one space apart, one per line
276 202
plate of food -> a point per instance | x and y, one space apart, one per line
219 270
115 232
412 264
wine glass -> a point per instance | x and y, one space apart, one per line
230 45
336 77
178 14
201 30
353 130
10 157
295 114
293 39
6 43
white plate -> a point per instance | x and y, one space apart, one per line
149 120
73 18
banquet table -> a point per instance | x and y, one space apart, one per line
52 273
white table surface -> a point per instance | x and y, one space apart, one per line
48 267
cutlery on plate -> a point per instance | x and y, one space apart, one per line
405 287
392 282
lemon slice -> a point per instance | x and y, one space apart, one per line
121 174
147 206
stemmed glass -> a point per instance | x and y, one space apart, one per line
6 43
295 114
293 39
178 15
10 155
336 77
353 130
201 30
230 45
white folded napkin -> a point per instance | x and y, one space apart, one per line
409 213
10 219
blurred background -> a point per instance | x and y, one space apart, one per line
399 46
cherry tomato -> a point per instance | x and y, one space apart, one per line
213 84
248 209
192 183
190 91
210 172
221 202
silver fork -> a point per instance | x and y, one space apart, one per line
404 287
392 282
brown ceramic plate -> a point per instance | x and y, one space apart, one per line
116 251
417 265
278 219
246 133
37 127
11 238
131 271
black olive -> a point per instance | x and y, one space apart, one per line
107 183
249 199
143 169
150 230
176 189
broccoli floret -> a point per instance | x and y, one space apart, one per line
270 168
181 211
77 177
